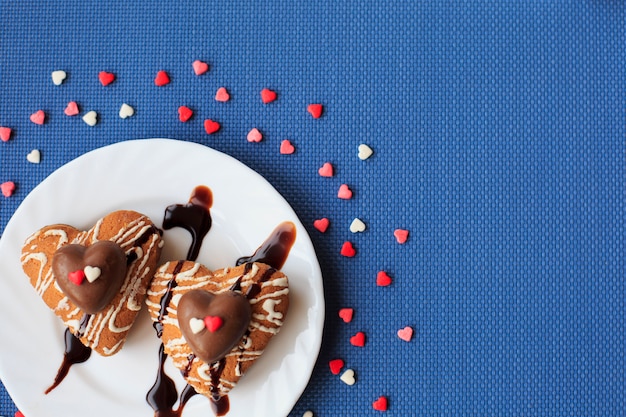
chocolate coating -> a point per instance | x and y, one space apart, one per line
91 297
232 307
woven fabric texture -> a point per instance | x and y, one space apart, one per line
498 134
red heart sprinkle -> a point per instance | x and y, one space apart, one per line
222 95
77 277
346 314
200 67
326 170
106 78
161 79
401 235
321 224
39 117
358 339
406 334
315 110
348 250
286 147
213 323
267 95
5 134
335 366
18 414
7 188
345 193
211 126
380 404
184 113
382 279
71 109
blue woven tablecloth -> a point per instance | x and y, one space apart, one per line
498 130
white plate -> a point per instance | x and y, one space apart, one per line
147 176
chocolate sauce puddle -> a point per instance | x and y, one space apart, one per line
195 217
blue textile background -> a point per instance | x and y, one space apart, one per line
498 130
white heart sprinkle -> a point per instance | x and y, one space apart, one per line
365 152
58 77
348 377
196 325
308 414
357 226
92 273
91 118
126 111
34 156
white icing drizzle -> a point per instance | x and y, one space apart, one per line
273 316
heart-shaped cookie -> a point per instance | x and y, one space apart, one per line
140 241
265 289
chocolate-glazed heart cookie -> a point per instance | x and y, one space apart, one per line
263 288
90 276
102 328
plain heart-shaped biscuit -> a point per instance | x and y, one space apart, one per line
105 331
265 288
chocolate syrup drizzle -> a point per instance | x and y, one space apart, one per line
195 217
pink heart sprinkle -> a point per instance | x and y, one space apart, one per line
39 117
5 134
255 136
348 250
162 78
346 314
267 95
71 109
335 366
326 170
345 193
406 334
200 67
383 279
211 126
222 95
184 113
315 110
7 188
321 224
286 147
401 235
